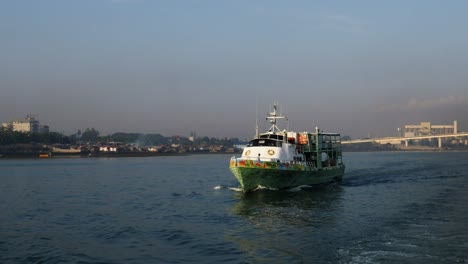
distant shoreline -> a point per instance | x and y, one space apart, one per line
168 154
43 155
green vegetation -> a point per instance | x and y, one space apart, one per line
8 137
91 136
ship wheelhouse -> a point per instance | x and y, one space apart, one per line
267 140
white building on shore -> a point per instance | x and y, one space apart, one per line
427 129
29 124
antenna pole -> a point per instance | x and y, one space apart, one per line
256 117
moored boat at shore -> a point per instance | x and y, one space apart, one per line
280 159
56 150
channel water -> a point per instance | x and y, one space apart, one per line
392 207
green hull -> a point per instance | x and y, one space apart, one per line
250 177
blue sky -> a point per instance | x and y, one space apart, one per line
171 67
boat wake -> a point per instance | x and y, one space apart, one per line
263 188
220 187
260 187
236 189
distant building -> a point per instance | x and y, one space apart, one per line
192 136
29 124
427 129
108 148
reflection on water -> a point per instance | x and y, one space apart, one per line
285 224
278 204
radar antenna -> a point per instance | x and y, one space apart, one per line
272 117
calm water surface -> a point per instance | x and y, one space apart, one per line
392 207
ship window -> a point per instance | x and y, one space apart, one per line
264 142
279 137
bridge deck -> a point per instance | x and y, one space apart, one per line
388 139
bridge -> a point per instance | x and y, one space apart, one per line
399 140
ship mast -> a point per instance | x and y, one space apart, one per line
256 118
273 116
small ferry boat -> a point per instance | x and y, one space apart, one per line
280 159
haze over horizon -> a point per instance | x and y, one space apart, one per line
171 67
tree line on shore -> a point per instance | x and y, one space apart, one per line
91 135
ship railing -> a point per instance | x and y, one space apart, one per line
233 158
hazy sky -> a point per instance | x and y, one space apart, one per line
175 66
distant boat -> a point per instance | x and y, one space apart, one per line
66 150
45 155
280 159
